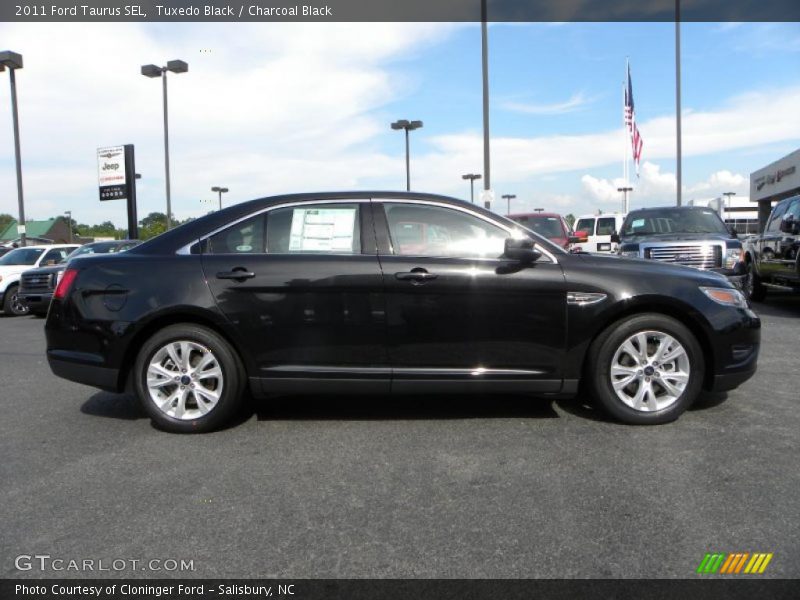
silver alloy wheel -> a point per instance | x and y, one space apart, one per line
184 380
650 370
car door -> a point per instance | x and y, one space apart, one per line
302 287
460 317
786 266
770 244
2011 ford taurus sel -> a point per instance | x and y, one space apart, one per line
378 292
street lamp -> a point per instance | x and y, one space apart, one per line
220 191
509 197
472 177
152 71
68 214
13 61
625 190
408 126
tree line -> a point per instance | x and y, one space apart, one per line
150 226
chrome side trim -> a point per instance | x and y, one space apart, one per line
585 298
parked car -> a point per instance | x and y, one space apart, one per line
773 257
21 259
29 241
693 236
549 225
312 293
599 229
37 285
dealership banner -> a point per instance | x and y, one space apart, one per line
399 11
396 589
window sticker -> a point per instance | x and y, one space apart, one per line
322 229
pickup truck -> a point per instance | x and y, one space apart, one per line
772 258
691 236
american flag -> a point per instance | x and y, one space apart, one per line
630 121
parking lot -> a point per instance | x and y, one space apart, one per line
402 487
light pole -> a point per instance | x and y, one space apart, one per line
13 61
508 198
472 177
678 143
625 190
408 126
220 191
176 66
68 214
487 183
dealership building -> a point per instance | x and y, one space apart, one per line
775 182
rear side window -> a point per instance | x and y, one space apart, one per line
246 237
307 229
586 225
606 225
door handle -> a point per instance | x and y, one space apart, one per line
237 274
415 276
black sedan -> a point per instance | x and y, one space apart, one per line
378 292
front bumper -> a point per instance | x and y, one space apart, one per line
37 303
737 354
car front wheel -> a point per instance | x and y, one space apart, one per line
189 379
753 288
647 369
12 303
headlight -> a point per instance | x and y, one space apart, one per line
732 256
630 253
726 296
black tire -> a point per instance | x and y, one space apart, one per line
604 348
13 306
233 381
754 290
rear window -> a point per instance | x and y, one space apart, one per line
586 225
606 225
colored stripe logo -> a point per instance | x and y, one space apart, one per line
734 563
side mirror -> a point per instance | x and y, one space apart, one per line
788 224
615 238
521 250
734 233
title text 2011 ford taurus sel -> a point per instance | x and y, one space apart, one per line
382 292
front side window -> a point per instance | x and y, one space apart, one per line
54 257
794 210
777 215
586 225
424 230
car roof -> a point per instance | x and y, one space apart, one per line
673 207
187 233
603 216
535 214
48 246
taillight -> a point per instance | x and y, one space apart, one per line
65 283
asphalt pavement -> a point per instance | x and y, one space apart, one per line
422 487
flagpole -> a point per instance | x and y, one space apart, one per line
624 150
678 96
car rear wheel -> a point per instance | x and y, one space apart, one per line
189 379
647 369
12 303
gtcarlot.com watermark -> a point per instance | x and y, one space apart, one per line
48 563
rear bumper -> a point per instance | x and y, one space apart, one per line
83 368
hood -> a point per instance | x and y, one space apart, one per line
648 268
46 270
675 237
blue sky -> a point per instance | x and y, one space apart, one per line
275 108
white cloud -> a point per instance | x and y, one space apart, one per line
576 102
656 187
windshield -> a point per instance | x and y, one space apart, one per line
22 256
672 220
549 227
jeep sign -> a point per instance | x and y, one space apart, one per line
111 175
